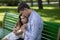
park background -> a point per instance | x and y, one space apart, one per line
49 10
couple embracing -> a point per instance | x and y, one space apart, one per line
29 25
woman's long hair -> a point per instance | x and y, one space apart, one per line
19 23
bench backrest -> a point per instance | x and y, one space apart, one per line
49 33
9 22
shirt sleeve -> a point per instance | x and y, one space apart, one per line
32 34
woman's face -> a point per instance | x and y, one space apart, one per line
23 19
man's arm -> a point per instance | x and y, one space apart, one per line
32 35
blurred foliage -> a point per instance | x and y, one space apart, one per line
15 2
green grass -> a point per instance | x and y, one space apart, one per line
50 13
1 18
8 9
42 0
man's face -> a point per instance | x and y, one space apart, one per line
24 12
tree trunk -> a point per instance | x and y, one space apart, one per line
31 2
59 3
48 1
40 4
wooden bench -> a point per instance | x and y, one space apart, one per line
49 33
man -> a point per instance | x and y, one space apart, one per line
34 25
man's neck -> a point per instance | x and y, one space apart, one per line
30 10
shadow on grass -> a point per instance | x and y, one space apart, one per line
53 13
51 5
8 10
0 23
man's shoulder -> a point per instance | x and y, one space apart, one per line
35 14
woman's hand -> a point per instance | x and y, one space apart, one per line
23 28
18 32
15 30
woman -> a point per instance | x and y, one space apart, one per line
19 30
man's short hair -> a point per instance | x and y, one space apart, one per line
22 5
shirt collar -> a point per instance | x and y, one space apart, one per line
29 18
